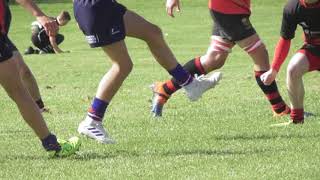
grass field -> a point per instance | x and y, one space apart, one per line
226 135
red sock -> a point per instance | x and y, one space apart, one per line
297 115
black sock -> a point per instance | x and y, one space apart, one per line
40 103
50 143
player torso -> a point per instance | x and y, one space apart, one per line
230 6
38 30
308 17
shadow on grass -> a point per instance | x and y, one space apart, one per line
197 152
10 132
264 137
115 153
90 155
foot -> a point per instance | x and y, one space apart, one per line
68 148
283 113
94 129
159 98
44 110
29 50
201 84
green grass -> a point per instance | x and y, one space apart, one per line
226 135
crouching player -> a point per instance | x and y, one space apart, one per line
231 26
306 13
10 80
47 44
105 24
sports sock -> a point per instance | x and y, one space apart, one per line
182 77
40 103
297 115
272 93
50 143
97 109
193 67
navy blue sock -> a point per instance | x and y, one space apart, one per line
182 76
97 109
50 143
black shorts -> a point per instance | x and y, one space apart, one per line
43 43
101 21
232 27
6 48
314 50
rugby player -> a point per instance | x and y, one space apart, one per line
231 27
47 44
105 24
305 13
10 80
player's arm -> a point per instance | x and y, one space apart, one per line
288 28
48 23
54 44
171 5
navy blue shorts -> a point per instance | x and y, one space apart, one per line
101 21
6 48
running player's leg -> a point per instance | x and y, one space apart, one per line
29 80
253 45
306 60
136 26
215 57
297 67
11 81
110 37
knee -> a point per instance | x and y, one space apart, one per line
214 60
125 68
294 72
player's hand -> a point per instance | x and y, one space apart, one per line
171 5
49 24
268 77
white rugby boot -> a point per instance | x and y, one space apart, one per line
201 84
94 129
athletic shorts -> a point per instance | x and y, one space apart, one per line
313 54
6 48
44 42
101 21
232 27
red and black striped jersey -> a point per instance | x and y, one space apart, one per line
297 12
230 6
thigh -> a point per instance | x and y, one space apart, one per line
299 64
9 75
117 52
137 26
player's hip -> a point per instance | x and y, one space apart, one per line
233 27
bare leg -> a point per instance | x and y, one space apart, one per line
214 59
138 27
298 66
121 68
259 56
27 77
11 82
